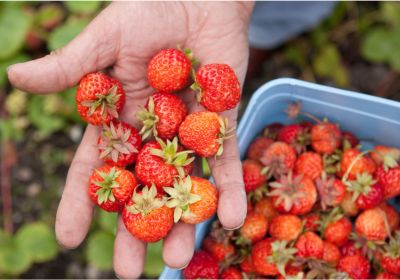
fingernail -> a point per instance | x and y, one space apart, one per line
8 68
235 227
183 267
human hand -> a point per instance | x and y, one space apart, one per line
124 37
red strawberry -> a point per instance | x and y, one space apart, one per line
311 222
111 187
393 217
202 266
217 87
219 250
336 228
361 164
194 199
279 157
292 272
160 163
253 175
162 115
386 275
350 249
119 143
247 265
257 147
296 136
356 266
348 205
331 191
231 273
204 133
254 228
266 208
390 180
285 227
309 164
146 217
272 130
371 224
169 70
291 195
309 245
350 138
331 253
391 257
99 98
325 137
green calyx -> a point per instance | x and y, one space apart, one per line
149 119
362 185
181 197
389 159
104 193
224 134
169 153
146 201
281 255
105 102
115 142
332 216
392 249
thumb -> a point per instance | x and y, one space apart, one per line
93 49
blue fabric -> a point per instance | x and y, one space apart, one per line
275 22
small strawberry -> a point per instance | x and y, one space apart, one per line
162 115
146 217
260 253
335 227
254 228
111 187
348 205
217 87
272 130
354 162
253 175
309 245
331 191
295 195
350 138
99 98
311 222
350 249
325 137
331 253
292 272
204 133
279 158
371 224
247 265
393 217
356 266
169 70
384 155
309 164
285 227
231 273
159 163
266 208
194 199
296 136
218 249
386 275
202 266
257 147
119 143
391 256
390 180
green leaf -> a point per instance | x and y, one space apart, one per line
12 128
38 240
65 33
377 45
5 63
83 7
14 25
69 111
5 239
50 15
14 260
390 12
108 221
99 251
154 262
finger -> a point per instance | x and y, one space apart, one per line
129 253
75 211
93 49
178 246
227 173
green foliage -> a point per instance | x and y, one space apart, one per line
12 128
390 13
14 25
65 33
7 62
108 221
154 262
83 7
99 251
13 259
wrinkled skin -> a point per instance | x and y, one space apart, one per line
122 39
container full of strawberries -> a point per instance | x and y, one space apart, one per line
321 168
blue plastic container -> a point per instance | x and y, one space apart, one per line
369 117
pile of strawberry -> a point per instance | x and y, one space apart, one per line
317 208
146 172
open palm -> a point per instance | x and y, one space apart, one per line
122 39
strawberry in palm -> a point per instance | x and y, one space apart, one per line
111 187
119 143
99 98
162 115
146 217
217 87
